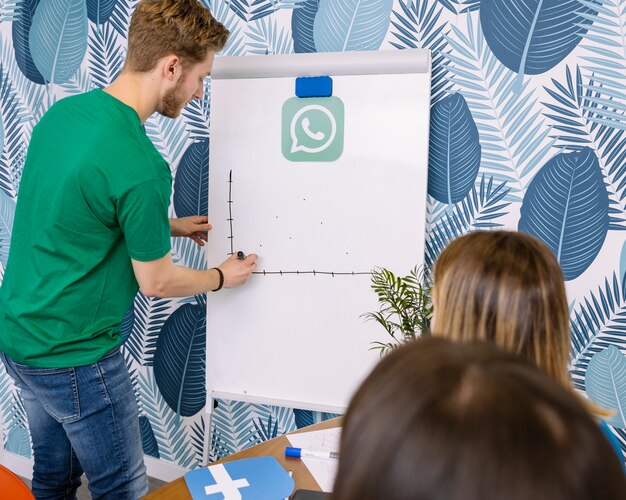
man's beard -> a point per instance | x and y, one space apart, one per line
172 102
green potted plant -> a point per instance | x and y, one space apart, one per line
405 306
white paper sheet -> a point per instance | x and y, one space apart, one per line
322 470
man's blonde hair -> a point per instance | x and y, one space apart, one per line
185 28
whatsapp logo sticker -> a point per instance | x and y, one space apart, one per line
312 129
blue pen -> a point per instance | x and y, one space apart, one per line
302 453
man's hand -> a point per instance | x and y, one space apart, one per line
194 227
237 271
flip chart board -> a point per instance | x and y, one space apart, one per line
323 190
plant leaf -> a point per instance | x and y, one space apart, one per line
405 306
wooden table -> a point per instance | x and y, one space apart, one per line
273 447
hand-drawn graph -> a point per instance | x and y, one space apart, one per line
265 272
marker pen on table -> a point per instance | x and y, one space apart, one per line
302 453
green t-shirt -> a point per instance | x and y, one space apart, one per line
94 194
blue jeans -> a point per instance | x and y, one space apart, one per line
83 419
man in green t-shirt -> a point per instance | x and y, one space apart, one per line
91 228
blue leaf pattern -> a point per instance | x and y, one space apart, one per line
607 64
566 206
417 25
574 116
126 327
454 150
170 434
7 214
99 11
240 7
266 38
1 133
58 38
532 36
351 24
302 21
605 383
303 418
265 431
513 139
18 442
106 56
191 186
448 4
21 30
120 17
148 441
598 322
179 360
622 261
480 209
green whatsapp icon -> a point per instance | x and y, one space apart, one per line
312 128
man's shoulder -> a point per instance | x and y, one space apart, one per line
74 101
77 108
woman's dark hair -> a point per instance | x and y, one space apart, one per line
467 421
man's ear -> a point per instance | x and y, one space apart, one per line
171 67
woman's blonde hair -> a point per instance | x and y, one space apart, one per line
507 288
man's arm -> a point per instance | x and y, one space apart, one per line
163 278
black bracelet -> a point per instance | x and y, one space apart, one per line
219 271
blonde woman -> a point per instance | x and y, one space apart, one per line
507 288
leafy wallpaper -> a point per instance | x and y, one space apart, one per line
528 125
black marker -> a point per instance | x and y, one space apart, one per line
241 255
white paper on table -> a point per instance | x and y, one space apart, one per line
322 470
